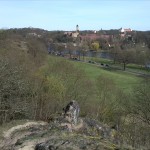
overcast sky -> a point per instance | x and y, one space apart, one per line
66 14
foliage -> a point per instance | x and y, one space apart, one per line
13 90
125 57
95 46
17 67
71 78
36 86
109 101
141 102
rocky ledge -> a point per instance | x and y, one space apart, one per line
63 133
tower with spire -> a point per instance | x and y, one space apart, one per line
77 28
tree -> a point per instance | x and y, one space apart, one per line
140 56
48 96
141 103
107 106
14 89
70 47
136 128
147 59
125 57
114 52
95 46
83 48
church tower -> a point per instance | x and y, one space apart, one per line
77 28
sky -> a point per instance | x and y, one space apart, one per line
66 14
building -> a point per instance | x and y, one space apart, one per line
125 32
95 37
73 34
77 28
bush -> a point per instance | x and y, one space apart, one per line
13 90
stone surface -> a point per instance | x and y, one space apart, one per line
71 112
60 134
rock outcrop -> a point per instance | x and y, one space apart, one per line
64 133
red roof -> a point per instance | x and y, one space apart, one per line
95 36
127 30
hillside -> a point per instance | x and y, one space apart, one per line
35 85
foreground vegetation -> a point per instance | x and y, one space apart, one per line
34 85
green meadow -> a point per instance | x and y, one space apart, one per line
123 80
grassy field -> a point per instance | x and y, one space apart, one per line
122 79
99 60
132 67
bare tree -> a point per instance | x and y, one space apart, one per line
141 103
125 57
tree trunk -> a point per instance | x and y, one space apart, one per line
124 66
83 56
79 55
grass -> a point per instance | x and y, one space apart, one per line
99 60
122 79
138 68
132 67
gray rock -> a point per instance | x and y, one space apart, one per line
71 112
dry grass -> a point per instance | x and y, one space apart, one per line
6 126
